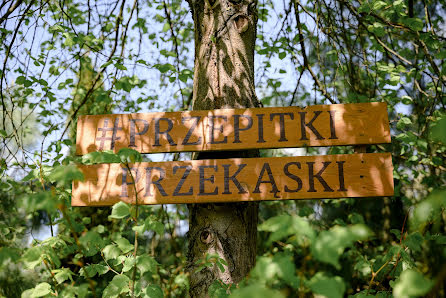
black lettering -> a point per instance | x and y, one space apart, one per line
202 180
234 180
125 183
271 180
191 130
260 130
309 125
166 132
282 123
341 176
212 129
104 130
157 183
311 177
292 176
332 125
133 132
237 128
187 170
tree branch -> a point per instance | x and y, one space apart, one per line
304 55
10 10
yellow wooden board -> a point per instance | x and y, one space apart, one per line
235 129
236 180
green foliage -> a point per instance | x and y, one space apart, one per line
330 244
64 59
211 260
411 284
429 210
118 285
285 225
256 291
120 210
327 286
271 270
40 290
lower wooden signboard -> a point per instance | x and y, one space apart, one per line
236 180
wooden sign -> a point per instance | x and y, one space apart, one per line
235 180
236 129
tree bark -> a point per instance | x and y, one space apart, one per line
225 33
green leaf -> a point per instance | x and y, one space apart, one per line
111 251
140 229
93 269
438 131
120 210
403 122
415 24
119 285
129 263
166 27
9 253
127 156
377 28
329 245
377 5
163 68
220 266
120 66
68 39
27 83
151 224
407 100
124 245
65 175
394 78
182 281
218 290
41 290
332 287
146 263
43 82
286 225
154 291
92 241
414 241
282 55
62 275
106 64
255 291
411 283
33 257
34 174
100 157
56 28
281 266
20 80
183 78
409 138
429 209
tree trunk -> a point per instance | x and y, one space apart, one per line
225 33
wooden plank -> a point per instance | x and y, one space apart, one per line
236 129
235 180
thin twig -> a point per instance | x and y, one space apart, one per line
304 55
10 10
98 76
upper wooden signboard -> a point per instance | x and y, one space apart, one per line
236 180
235 129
